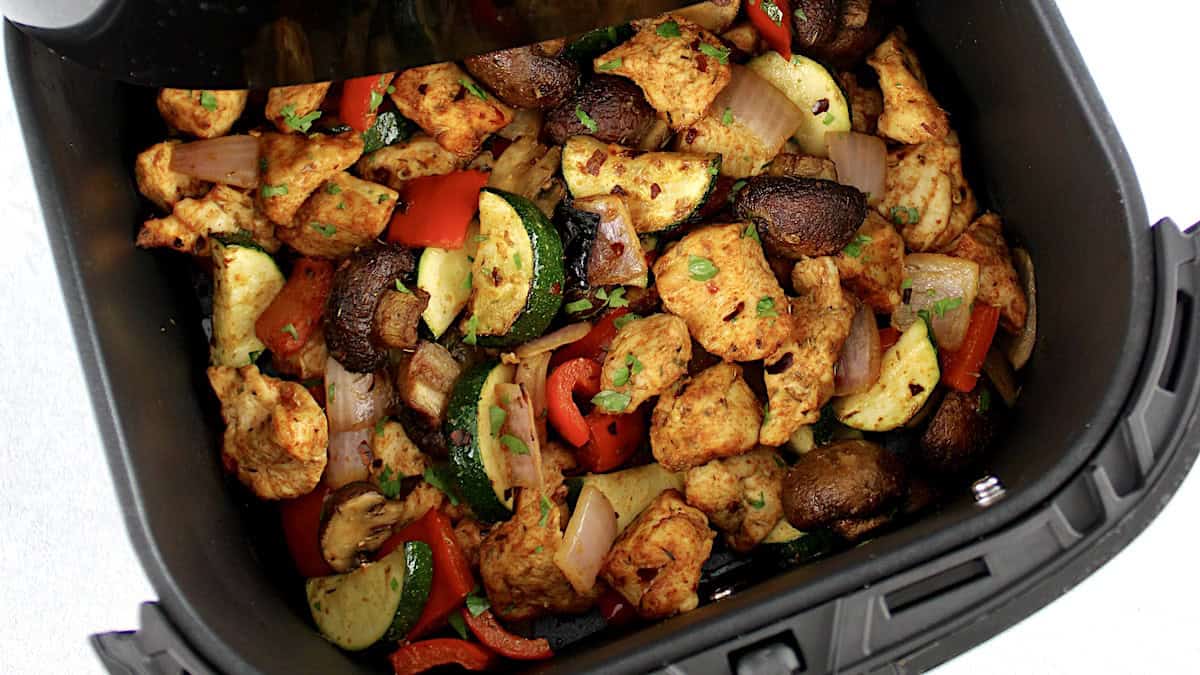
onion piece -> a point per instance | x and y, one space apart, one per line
531 375
354 400
861 161
232 160
616 257
349 458
524 468
589 535
1000 372
1020 348
944 287
551 341
857 367
767 113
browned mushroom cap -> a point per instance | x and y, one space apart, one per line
350 315
960 431
861 24
356 522
814 22
534 76
798 217
841 483
615 104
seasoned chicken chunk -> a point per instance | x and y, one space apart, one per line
275 433
665 59
294 166
742 496
516 562
201 113
711 415
646 357
655 563
999 286
469 534
803 166
307 363
343 215
866 104
223 210
910 113
395 164
799 377
872 267
158 183
394 455
718 281
927 195
743 154
444 101
423 499
291 109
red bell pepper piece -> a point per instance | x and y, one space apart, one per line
595 344
419 657
960 369
577 376
452 578
888 337
773 21
495 637
361 97
289 320
436 210
614 439
301 520
614 608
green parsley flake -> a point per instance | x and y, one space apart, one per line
301 123
517 260
906 284
458 624
668 29
208 101
616 299
326 231
751 232
905 215
389 482
341 206
799 14
383 197
332 385
772 11
539 549
496 417
854 248
632 367
269 191
767 412
611 65
766 307
317 605
985 401
290 330
477 603
545 506
721 54
475 89
586 119
472 325
578 306
611 401
380 424
736 188
946 305
467 279
439 477
402 288
624 319
700 268
827 119
333 188
713 170
727 117
480 237
255 354
515 445
760 502
375 101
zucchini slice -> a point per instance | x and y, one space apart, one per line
630 490
814 90
787 543
479 461
661 189
245 281
517 276
445 274
378 601
907 376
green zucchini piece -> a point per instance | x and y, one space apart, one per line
661 189
814 90
593 43
245 281
475 451
418 582
788 543
445 274
630 491
517 276
389 128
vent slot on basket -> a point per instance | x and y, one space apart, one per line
775 654
1181 330
929 588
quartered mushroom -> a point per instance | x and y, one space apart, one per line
351 332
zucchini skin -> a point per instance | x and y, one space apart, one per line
466 456
418 582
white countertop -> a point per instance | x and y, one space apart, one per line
68 569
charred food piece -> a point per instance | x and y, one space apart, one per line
357 520
612 109
815 22
800 217
848 487
960 431
534 76
358 285
861 24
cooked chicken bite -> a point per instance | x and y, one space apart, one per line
395 456
290 108
799 377
655 563
469 534
999 286
395 164
307 363
275 433
223 210
872 268
444 101
158 183
910 113
718 281
713 414
646 357
343 215
665 59
740 495
927 195
743 154
201 113
294 166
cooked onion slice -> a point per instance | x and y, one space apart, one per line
1020 348
531 375
232 160
349 458
551 341
858 365
767 113
588 537
616 258
354 400
518 437
1001 374
943 288
861 161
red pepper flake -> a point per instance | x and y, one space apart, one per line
556 288
690 136
496 277
702 63
821 105
654 190
618 191
712 288
595 162
422 88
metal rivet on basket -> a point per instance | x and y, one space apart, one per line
987 490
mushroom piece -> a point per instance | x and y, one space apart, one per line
801 217
815 22
616 107
960 431
861 24
357 520
534 76
849 487
358 285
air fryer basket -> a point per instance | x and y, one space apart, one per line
1104 432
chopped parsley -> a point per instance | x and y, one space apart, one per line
985 401
946 305
905 215
402 288
620 321
727 117
467 279
611 65
854 248
472 325
761 501
290 330
341 206
736 188
766 307
274 190
586 119
713 170
380 424
611 401
751 232
668 29
799 14
515 445
255 354
828 119
477 602
375 101
439 477
721 54
333 188
539 549
496 417
701 268
475 89
767 412
383 197
545 506
578 306
617 299
456 622
332 385
325 230
208 101
906 284
517 260
389 483
480 237
301 123
632 367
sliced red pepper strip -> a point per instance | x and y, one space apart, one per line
577 376
419 657
452 578
613 440
494 636
436 210
288 322
961 368
888 337
301 520
361 97
773 21
595 344
614 608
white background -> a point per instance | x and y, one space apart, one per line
68 569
